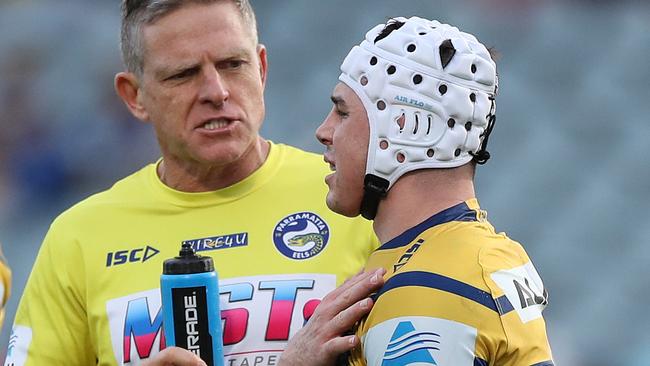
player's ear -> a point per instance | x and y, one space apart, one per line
128 88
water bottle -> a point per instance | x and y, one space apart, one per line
190 303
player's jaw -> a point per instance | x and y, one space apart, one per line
345 134
345 185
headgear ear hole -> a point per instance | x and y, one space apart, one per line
401 120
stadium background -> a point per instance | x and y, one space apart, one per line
569 178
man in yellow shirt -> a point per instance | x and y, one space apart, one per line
196 72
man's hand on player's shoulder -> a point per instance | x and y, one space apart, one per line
323 338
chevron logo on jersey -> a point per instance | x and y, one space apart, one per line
419 340
408 346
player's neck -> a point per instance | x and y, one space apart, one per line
419 195
187 176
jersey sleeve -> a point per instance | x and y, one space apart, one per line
51 326
520 297
5 286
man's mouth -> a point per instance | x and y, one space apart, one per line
215 124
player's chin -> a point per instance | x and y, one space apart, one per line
341 205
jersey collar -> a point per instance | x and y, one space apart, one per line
465 211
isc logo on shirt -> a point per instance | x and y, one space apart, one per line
130 256
258 314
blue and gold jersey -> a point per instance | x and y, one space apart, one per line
456 294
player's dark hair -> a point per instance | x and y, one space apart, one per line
391 26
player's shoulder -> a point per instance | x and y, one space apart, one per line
501 252
513 279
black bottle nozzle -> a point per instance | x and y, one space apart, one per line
186 251
187 262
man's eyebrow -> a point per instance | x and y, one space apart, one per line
167 71
338 101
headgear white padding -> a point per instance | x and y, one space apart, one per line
429 91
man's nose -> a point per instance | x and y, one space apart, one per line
214 88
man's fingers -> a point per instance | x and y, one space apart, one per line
339 345
334 316
358 290
350 282
345 319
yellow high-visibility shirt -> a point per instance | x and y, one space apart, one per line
93 295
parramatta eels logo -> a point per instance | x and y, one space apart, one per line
301 235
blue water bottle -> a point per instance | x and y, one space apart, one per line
190 303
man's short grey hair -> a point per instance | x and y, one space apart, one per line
138 13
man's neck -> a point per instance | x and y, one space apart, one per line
419 195
187 176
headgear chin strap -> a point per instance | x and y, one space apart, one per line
429 92
374 189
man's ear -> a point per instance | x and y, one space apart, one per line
261 53
127 87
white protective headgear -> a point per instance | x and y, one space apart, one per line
429 92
